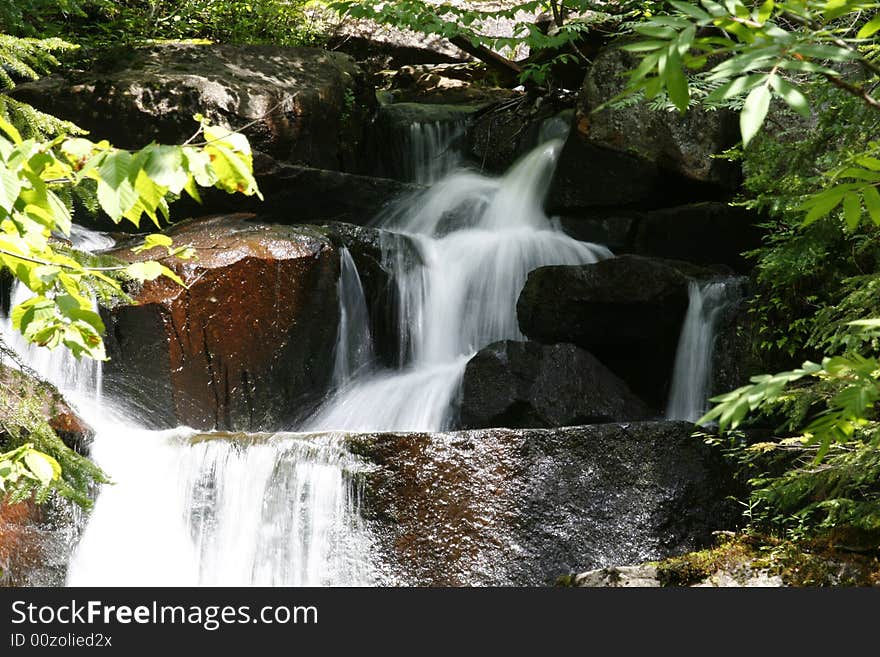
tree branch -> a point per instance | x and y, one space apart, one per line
508 69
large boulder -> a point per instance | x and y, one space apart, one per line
301 105
625 153
627 311
530 385
522 507
708 233
246 343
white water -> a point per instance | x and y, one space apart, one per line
272 511
284 509
477 239
354 343
234 510
692 376
431 150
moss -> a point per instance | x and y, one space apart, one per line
27 406
732 553
798 563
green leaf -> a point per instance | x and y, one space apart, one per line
164 165
10 187
870 28
691 10
852 211
754 112
791 95
676 82
115 168
43 466
153 241
150 270
871 197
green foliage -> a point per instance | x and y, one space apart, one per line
33 449
803 270
129 186
570 19
25 467
28 59
759 52
844 416
222 21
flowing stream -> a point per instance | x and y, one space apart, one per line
283 509
477 239
692 375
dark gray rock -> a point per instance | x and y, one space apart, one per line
501 134
703 233
292 194
627 311
707 233
522 507
529 385
626 153
301 105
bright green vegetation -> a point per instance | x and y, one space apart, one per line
804 72
43 164
36 461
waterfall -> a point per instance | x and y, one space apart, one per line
477 238
432 150
354 342
284 509
692 374
279 510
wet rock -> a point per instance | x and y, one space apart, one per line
529 385
646 575
520 507
292 194
619 576
627 311
249 341
410 140
707 233
503 133
439 85
368 247
301 105
624 154
703 233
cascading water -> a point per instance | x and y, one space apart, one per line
274 510
692 375
432 150
354 343
283 509
235 510
477 238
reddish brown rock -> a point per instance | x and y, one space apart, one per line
20 544
248 344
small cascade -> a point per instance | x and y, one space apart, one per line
232 510
354 342
692 374
477 238
433 151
